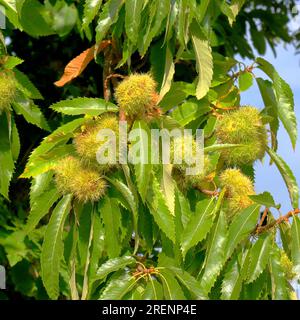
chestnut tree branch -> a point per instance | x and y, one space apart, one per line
260 229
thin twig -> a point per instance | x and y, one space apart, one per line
263 217
260 229
106 84
210 193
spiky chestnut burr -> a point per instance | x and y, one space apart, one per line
136 95
87 144
242 126
238 188
84 183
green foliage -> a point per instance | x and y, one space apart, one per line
87 106
285 100
6 156
142 230
52 250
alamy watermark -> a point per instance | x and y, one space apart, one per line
141 146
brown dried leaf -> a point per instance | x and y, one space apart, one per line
76 66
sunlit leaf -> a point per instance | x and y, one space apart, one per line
259 256
113 265
241 227
89 106
295 244
118 287
204 60
287 176
52 250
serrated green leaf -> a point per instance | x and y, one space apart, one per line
189 282
232 282
127 194
15 247
279 282
12 62
286 107
52 249
88 106
172 289
285 99
214 259
26 86
168 187
97 247
295 244
190 111
222 65
84 213
171 19
153 291
136 293
158 12
113 265
11 12
200 223
40 207
241 227
91 8
111 215
182 211
157 60
268 95
30 111
108 16
204 60
259 256
47 161
264 199
287 176
255 289
160 211
226 10
235 7
6 157
286 237
178 92
245 81
39 184
133 11
15 140
217 147
169 71
202 9
184 16
118 287
142 166
58 136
